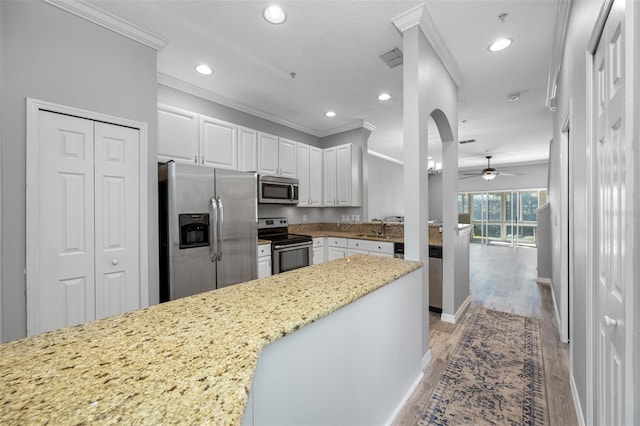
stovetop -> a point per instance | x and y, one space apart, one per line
276 230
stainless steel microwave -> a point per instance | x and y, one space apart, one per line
277 190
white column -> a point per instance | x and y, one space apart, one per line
450 225
416 196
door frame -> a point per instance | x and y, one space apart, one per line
566 246
32 200
632 272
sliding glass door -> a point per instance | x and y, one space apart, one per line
503 217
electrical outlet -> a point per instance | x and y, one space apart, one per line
357 218
304 217
440 229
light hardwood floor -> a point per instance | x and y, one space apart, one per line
503 279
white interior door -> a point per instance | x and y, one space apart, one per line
609 116
117 216
65 274
87 235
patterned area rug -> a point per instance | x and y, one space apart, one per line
495 375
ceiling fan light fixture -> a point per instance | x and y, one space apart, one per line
489 174
500 44
274 14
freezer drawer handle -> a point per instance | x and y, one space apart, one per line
213 248
220 224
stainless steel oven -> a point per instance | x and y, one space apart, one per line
289 251
277 190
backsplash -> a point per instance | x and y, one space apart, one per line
391 229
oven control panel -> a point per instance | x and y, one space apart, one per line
272 222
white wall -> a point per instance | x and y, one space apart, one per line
386 188
51 55
530 176
436 192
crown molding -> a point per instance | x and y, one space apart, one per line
421 16
192 89
361 124
384 157
109 21
559 38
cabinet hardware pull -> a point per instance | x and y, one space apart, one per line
195 159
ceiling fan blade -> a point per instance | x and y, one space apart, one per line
505 173
468 176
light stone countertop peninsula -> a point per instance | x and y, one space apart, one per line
190 361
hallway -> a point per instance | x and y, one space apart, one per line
503 279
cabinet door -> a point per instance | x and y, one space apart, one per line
351 252
247 150
267 154
318 255
218 144
303 175
315 176
287 156
264 267
329 176
177 135
334 253
343 175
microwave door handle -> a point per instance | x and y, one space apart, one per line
220 227
213 230
292 192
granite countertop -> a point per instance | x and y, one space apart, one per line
190 361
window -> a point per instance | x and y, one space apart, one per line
505 216
463 203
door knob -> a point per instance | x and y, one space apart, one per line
114 261
610 322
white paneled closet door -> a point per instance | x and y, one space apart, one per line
66 273
117 212
88 221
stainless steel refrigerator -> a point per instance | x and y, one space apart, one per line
208 228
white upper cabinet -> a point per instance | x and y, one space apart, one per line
177 135
247 150
277 156
218 143
329 176
348 175
310 175
343 176
287 152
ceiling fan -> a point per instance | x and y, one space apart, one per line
488 173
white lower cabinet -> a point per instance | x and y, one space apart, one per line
374 248
264 260
318 250
336 248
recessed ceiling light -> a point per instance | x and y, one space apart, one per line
499 44
274 14
384 97
204 69
330 113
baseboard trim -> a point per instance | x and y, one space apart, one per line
426 361
453 319
555 310
576 401
407 396
544 281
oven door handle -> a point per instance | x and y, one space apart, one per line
288 247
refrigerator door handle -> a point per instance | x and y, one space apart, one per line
220 227
213 230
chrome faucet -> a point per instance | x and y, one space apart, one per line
382 226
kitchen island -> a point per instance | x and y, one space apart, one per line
189 361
